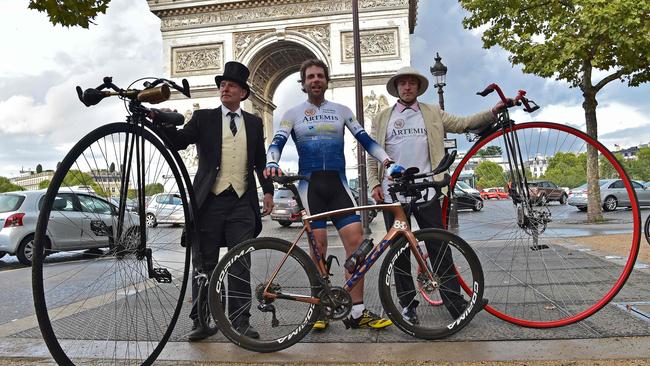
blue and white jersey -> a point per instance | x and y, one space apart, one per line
318 133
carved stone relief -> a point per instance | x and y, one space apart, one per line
318 33
197 60
372 104
242 41
375 44
190 156
267 12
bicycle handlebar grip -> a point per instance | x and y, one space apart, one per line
486 91
167 118
92 96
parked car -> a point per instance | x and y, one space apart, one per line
79 220
466 187
466 199
495 192
285 209
165 208
612 195
543 191
260 200
131 204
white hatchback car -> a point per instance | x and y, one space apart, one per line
78 221
165 208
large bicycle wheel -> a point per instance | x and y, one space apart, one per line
400 281
545 264
120 301
236 295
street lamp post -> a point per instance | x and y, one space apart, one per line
439 73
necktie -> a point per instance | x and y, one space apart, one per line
233 126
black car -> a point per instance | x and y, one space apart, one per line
468 200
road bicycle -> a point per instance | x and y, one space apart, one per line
545 265
120 304
289 291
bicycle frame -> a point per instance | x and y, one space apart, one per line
399 228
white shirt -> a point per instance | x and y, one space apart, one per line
226 118
407 144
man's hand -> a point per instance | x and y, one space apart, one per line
268 204
498 108
272 170
378 194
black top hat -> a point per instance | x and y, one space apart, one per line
237 72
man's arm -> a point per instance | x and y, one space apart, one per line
182 138
372 165
368 143
275 149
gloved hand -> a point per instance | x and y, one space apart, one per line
395 170
272 169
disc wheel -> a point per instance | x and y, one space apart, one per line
543 268
449 257
109 303
236 295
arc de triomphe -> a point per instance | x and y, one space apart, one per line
272 37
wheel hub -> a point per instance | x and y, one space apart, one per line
259 292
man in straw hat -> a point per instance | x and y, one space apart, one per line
230 143
413 133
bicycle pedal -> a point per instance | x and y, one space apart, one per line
161 275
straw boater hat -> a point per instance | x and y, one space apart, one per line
391 85
237 72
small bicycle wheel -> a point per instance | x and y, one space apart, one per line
236 295
205 316
545 264
449 257
120 301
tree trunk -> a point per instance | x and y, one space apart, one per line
594 208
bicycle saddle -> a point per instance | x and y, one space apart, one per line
285 179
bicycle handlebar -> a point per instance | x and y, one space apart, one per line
152 93
529 105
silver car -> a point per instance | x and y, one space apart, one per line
165 208
285 209
79 220
612 193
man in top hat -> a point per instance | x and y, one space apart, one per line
412 133
230 144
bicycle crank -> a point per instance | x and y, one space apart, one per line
336 303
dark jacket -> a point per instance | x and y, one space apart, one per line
204 130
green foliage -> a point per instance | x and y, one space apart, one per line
490 151
489 174
567 169
39 168
71 12
153 188
606 169
79 178
112 168
7 186
44 184
566 38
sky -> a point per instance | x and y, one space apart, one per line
41 117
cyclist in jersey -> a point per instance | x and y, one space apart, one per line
317 127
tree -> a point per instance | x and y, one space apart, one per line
490 151
39 168
44 184
112 168
568 39
71 12
79 178
489 174
567 169
7 186
153 188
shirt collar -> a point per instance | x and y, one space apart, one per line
399 107
225 111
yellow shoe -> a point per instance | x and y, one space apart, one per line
320 325
367 320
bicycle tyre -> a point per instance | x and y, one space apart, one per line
567 277
261 256
121 314
435 322
646 230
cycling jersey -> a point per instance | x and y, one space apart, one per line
318 133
